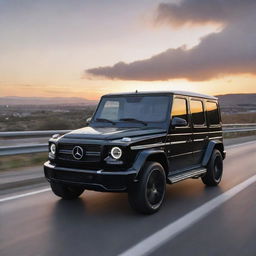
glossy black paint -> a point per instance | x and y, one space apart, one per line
177 148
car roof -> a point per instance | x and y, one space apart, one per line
185 93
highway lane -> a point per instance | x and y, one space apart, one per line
104 224
228 230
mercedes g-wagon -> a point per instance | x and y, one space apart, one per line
138 143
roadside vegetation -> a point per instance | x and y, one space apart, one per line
239 118
238 134
28 118
8 163
52 117
37 159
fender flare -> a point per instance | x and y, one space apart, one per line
210 147
143 156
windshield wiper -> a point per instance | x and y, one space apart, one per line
133 120
105 120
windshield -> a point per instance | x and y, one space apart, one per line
132 109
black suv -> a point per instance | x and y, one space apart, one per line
138 142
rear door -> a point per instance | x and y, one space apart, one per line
200 130
179 139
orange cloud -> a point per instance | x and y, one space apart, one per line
231 51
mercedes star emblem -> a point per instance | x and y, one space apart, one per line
77 152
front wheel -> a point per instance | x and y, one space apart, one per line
214 169
147 195
66 191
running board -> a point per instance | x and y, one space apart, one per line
186 175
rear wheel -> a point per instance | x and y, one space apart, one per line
214 169
66 191
147 195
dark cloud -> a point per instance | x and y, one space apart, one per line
232 51
201 11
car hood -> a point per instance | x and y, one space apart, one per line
111 133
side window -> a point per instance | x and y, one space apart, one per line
179 108
197 111
212 113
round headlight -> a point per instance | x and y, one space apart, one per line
116 152
53 148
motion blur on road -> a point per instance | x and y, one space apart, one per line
57 59
33 221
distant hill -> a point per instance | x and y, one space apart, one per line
237 99
238 103
228 102
12 100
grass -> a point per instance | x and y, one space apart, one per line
238 118
19 161
48 118
238 134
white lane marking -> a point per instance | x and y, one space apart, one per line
240 144
24 195
154 241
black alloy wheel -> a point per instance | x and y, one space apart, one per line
214 169
147 195
155 188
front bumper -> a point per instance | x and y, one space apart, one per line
90 179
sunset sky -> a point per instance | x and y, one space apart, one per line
89 48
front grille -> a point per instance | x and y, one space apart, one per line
87 147
73 176
91 153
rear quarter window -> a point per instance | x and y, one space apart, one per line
212 113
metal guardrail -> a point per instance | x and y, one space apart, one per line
37 148
239 130
23 149
51 132
31 133
235 125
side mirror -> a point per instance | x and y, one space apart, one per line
179 122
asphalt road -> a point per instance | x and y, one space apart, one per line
104 224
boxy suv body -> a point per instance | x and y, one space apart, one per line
138 143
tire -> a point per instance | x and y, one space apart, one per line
65 191
214 169
147 195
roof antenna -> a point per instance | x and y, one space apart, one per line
136 91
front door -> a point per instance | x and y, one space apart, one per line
179 139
